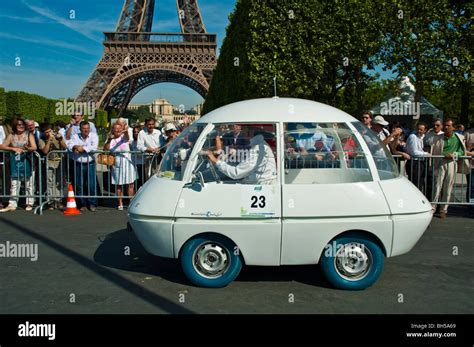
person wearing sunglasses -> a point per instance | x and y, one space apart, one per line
366 119
20 143
437 129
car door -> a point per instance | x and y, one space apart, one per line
247 213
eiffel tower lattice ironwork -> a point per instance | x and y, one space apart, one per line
135 58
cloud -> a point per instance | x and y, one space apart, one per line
88 28
34 20
43 41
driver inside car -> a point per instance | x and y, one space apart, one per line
258 166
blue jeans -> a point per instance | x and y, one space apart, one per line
86 182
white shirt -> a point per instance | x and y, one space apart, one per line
414 145
2 134
147 140
258 168
90 144
62 132
2 138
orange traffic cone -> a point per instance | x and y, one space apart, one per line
71 207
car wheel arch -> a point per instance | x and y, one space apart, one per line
360 234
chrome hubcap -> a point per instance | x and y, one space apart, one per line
353 261
211 260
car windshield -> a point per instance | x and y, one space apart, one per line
176 157
386 166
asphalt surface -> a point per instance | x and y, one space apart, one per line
83 259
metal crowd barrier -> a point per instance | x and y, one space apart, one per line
44 180
51 175
20 178
424 171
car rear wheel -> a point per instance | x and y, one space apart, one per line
352 262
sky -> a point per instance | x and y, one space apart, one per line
57 53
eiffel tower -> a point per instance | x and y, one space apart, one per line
135 58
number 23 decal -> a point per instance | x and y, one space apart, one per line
258 201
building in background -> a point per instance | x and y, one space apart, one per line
165 112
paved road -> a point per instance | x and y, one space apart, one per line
84 256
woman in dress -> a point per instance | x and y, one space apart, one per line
123 171
20 142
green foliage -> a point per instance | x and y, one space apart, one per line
3 104
101 118
30 106
113 114
312 55
139 115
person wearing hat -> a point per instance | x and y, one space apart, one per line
378 126
171 133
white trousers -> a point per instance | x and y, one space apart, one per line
15 191
444 183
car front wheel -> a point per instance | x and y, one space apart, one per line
210 260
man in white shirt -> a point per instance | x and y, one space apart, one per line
416 166
150 141
83 146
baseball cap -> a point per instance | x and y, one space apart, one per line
169 127
379 120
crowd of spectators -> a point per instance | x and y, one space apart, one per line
71 153
430 156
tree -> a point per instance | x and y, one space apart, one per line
3 104
313 47
460 45
30 106
101 118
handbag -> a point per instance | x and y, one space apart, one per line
106 159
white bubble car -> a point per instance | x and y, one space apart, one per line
279 181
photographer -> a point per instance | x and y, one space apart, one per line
51 142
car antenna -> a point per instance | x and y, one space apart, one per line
275 87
